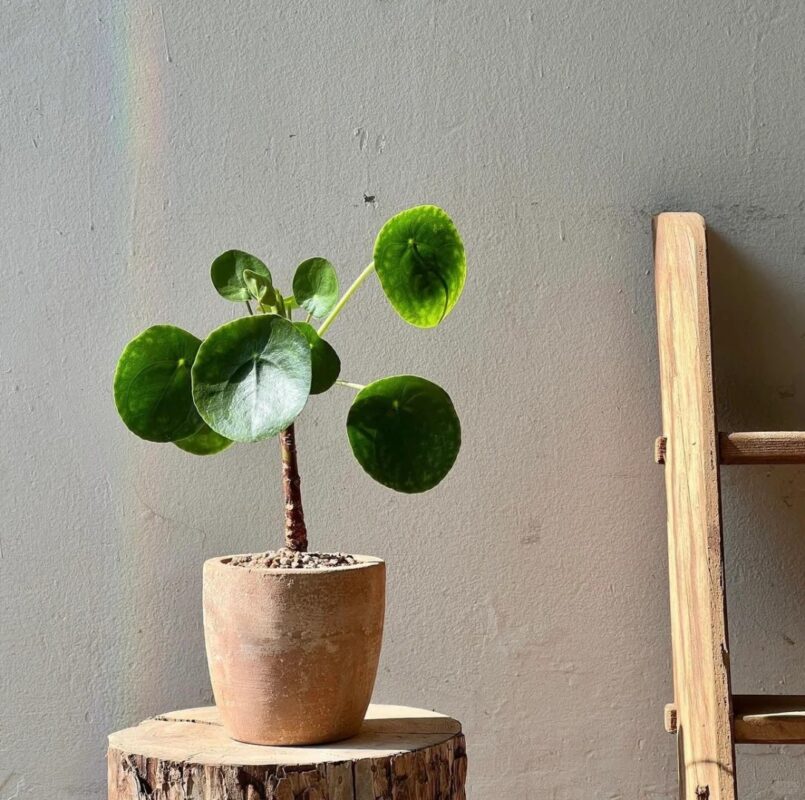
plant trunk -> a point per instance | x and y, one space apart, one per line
295 530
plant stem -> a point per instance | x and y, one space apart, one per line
350 385
343 301
249 306
295 530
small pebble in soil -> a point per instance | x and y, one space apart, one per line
291 559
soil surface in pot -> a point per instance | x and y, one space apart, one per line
291 559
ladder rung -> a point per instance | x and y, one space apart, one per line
764 719
762 447
765 447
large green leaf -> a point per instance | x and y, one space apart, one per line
204 442
404 432
227 274
152 384
315 286
419 258
251 377
324 361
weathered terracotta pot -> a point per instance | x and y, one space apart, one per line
293 654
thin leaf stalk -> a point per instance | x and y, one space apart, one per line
343 301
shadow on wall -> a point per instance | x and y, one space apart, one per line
758 321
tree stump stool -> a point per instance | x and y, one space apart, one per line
400 754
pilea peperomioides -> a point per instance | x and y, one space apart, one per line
251 378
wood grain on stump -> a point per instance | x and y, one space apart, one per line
400 754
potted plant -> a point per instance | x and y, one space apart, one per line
293 637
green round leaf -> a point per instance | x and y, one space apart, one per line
152 386
315 286
324 361
420 261
227 274
251 377
204 442
404 432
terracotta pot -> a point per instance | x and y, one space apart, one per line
293 653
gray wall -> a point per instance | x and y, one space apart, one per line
528 593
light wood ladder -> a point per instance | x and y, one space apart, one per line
705 716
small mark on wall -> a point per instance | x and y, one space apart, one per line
371 151
533 533
166 44
362 135
15 783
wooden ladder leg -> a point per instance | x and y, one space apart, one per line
695 549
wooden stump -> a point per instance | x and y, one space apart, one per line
400 754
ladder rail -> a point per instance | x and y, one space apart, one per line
706 717
696 562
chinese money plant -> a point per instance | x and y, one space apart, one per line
250 378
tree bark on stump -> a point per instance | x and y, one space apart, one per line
401 754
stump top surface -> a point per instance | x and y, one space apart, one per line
195 735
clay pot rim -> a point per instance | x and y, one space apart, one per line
364 562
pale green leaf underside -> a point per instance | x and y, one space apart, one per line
251 377
258 286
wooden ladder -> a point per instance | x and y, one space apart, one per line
705 716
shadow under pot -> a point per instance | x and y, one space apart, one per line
293 653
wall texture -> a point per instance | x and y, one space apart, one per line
528 593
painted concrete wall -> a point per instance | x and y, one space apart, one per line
528 594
